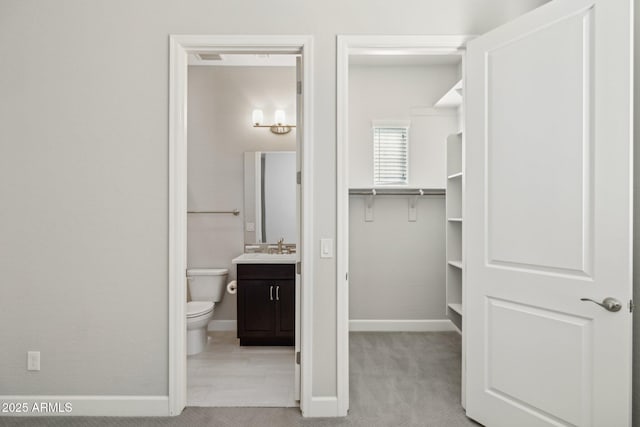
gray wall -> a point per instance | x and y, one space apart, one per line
219 131
84 175
401 93
397 267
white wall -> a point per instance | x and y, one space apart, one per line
401 93
219 132
84 173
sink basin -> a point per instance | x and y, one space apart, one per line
260 258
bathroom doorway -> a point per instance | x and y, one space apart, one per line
246 71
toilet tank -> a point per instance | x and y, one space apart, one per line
207 284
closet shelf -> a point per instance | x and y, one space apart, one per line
390 191
453 97
456 264
455 175
456 307
454 219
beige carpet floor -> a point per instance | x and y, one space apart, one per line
396 379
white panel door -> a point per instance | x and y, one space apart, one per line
548 217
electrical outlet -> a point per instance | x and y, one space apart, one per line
33 360
250 226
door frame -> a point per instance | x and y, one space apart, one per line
374 45
179 48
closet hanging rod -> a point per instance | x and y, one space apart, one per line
235 212
397 191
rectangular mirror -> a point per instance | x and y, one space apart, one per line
269 197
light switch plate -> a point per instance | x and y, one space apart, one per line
250 226
33 360
326 248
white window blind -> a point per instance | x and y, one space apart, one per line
390 155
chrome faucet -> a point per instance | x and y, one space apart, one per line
280 242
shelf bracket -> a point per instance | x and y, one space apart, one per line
413 211
368 207
413 201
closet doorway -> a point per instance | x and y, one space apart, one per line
399 235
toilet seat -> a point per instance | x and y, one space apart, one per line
199 308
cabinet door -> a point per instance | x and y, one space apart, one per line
256 308
286 308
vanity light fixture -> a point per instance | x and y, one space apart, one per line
279 128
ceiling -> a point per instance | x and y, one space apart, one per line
288 60
401 60
242 60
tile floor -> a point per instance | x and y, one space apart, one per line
225 374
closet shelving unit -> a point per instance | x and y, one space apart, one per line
453 98
455 222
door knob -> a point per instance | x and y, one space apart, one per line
609 304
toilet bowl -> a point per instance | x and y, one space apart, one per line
206 287
199 313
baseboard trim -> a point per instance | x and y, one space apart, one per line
323 407
223 325
384 325
96 406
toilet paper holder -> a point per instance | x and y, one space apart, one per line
232 287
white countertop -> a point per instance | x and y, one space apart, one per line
261 258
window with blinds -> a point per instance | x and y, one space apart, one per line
390 155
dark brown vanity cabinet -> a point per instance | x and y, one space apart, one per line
266 304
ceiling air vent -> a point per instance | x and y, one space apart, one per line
210 57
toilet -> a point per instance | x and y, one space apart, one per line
206 287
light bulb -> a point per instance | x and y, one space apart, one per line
257 117
279 116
